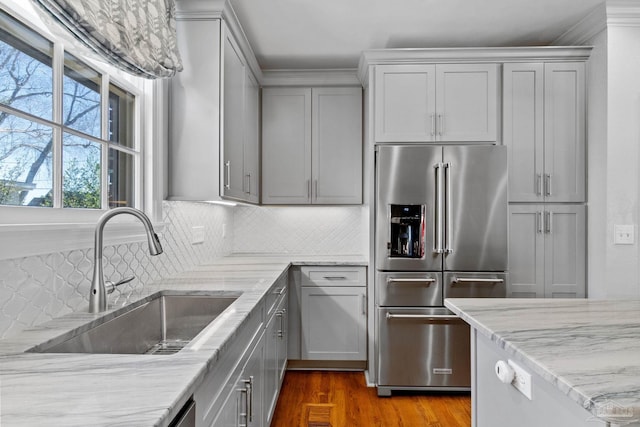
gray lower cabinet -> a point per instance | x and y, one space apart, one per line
276 354
496 404
547 251
243 387
333 313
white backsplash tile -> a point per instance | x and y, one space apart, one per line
36 289
306 230
39 288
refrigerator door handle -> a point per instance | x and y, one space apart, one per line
437 229
448 232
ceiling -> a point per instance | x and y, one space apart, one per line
310 34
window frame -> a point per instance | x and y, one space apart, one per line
28 230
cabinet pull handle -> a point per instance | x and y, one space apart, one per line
539 184
308 189
440 125
548 184
433 124
248 385
364 304
248 176
334 277
280 316
315 184
227 178
548 219
539 222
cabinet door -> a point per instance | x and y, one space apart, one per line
233 78
271 366
334 323
336 145
251 146
564 115
523 129
526 251
229 414
253 380
286 145
405 101
565 251
194 129
466 102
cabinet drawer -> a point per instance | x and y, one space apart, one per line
334 276
276 291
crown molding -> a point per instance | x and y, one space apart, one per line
329 77
586 29
623 13
223 10
469 55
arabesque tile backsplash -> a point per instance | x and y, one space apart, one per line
36 289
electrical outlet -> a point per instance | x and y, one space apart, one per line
521 380
197 234
623 234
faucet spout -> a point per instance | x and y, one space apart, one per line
98 293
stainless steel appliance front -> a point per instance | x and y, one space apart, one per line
429 346
441 232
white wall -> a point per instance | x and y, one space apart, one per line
597 166
623 156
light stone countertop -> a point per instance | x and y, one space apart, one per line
134 390
588 349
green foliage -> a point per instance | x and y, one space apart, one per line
81 184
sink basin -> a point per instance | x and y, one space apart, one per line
163 325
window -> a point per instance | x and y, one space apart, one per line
67 131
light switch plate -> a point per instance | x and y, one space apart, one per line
624 234
197 234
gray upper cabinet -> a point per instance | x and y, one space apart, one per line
240 134
214 117
311 145
544 128
547 256
194 110
436 102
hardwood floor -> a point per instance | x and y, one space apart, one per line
342 399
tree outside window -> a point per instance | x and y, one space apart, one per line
41 154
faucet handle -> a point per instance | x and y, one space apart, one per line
110 286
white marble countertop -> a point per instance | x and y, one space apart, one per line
588 349
133 390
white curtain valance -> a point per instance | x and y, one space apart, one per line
138 36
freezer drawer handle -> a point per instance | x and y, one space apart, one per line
434 317
427 281
488 281
334 277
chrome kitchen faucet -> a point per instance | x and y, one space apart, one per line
98 291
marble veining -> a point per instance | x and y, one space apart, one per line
589 349
132 390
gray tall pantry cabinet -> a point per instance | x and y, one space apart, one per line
544 128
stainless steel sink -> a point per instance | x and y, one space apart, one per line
163 325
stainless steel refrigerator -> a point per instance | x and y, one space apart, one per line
441 231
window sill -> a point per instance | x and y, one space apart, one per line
21 240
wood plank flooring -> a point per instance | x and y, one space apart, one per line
342 399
